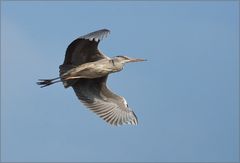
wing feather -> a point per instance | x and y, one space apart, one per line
85 48
97 97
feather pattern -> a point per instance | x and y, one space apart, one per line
85 48
95 95
96 36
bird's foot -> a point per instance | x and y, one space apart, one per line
47 82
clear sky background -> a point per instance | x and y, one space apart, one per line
186 96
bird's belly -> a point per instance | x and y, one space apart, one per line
100 71
91 71
95 73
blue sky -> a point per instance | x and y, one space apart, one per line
186 96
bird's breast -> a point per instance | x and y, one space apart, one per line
92 70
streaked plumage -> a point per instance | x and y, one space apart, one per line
86 70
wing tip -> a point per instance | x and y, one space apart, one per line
96 35
135 119
132 121
113 116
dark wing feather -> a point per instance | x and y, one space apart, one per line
97 97
85 48
82 50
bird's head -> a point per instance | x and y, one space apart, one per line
125 59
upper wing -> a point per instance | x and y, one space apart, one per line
96 96
82 50
85 48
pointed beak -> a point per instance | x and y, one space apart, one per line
136 60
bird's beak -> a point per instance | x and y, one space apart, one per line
136 60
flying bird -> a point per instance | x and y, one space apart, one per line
86 70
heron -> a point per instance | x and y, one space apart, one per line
86 70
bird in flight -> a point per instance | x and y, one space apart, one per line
86 70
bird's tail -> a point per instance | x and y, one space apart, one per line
47 82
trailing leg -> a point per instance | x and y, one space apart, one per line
47 82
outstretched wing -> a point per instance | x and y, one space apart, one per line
95 95
85 48
82 50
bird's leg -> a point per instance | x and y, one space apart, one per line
47 82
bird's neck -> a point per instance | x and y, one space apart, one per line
115 65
